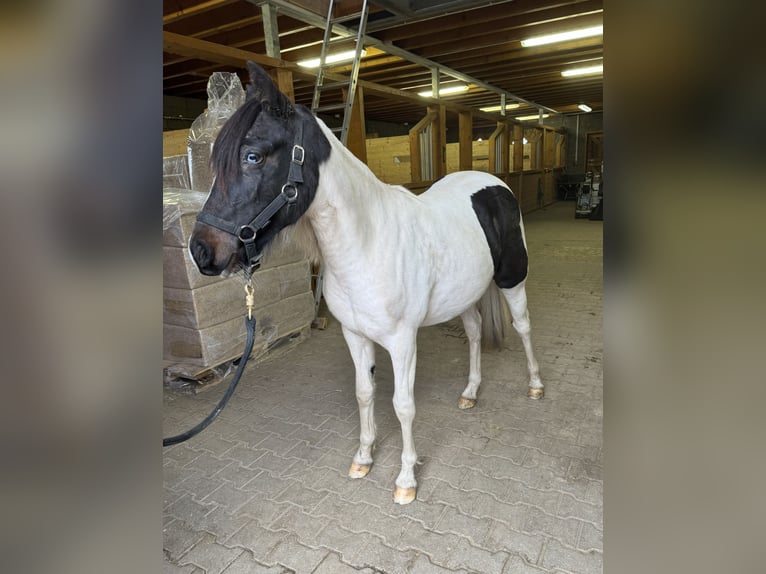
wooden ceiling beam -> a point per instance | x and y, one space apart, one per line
194 10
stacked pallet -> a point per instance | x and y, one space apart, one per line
203 317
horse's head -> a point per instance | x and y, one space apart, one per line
266 157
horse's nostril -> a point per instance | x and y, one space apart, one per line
200 251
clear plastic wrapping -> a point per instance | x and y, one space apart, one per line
177 202
175 172
225 95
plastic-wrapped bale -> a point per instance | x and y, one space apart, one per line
202 315
179 212
224 96
175 172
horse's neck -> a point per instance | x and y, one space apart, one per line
348 207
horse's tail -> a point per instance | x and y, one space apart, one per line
495 317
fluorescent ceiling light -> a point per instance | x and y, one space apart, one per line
445 91
583 71
531 117
563 36
331 59
585 107
512 106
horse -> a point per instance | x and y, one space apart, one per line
393 261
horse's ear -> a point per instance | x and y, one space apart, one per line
262 87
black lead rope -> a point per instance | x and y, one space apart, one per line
250 326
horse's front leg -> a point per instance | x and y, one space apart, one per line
363 355
403 350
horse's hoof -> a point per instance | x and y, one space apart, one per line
464 403
358 470
535 393
404 495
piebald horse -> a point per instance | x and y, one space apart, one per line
393 261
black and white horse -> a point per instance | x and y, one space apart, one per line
393 261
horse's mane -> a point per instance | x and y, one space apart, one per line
224 159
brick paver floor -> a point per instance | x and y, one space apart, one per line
511 486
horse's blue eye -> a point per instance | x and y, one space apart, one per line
253 157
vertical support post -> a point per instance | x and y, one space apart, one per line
498 149
465 137
518 147
270 30
284 80
435 87
357 134
415 164
439 141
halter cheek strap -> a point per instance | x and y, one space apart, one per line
247 233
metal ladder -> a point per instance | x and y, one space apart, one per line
350 84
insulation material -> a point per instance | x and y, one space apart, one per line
224 341
224 96
175 172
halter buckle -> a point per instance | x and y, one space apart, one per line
299 154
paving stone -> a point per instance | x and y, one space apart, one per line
296 521
297 557
591 538
236 474
189 510
222 524
200 486
503 537
246 564
229 496
207 464
350 545
332 564
264 510
250 437
517 565
300 495
571 507
268 484
178 538
170 568
396 561
422 565
570 560
211 557
564 530
259 540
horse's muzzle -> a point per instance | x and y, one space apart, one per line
213 252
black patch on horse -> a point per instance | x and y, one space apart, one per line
500 218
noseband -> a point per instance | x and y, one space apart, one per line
248 232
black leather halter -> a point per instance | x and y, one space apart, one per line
248 232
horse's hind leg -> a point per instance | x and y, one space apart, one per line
517 301
363 354
472 325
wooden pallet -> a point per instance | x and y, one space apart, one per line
182 377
